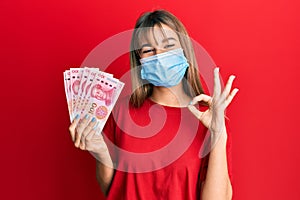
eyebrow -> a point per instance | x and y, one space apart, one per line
168 39
163 41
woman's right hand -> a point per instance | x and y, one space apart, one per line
84 136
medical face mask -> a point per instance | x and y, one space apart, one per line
165 69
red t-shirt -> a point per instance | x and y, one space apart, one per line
156 151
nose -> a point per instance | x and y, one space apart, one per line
158 51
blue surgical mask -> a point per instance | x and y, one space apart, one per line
165 69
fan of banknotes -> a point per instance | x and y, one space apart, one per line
90 91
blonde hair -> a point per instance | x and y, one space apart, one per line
191 82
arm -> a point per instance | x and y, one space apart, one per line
84 137
217 184
104 175
104 169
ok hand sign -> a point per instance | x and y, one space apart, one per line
213 117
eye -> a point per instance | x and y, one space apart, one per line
169 46
147 51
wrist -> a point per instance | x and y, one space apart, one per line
102 157
219 139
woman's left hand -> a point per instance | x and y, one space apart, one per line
213 117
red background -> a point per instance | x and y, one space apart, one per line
256 40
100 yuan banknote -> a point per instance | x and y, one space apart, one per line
103 95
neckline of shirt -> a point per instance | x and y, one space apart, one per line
166 107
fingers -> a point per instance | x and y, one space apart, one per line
201 97
79 129
93 132
195 111
228 86
86 131
73 126
226 97
217 83
231 96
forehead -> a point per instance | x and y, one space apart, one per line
156 35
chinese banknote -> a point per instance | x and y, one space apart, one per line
91 92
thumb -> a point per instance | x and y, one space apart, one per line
197 113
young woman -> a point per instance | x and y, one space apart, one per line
151 143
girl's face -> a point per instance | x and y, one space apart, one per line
158 42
